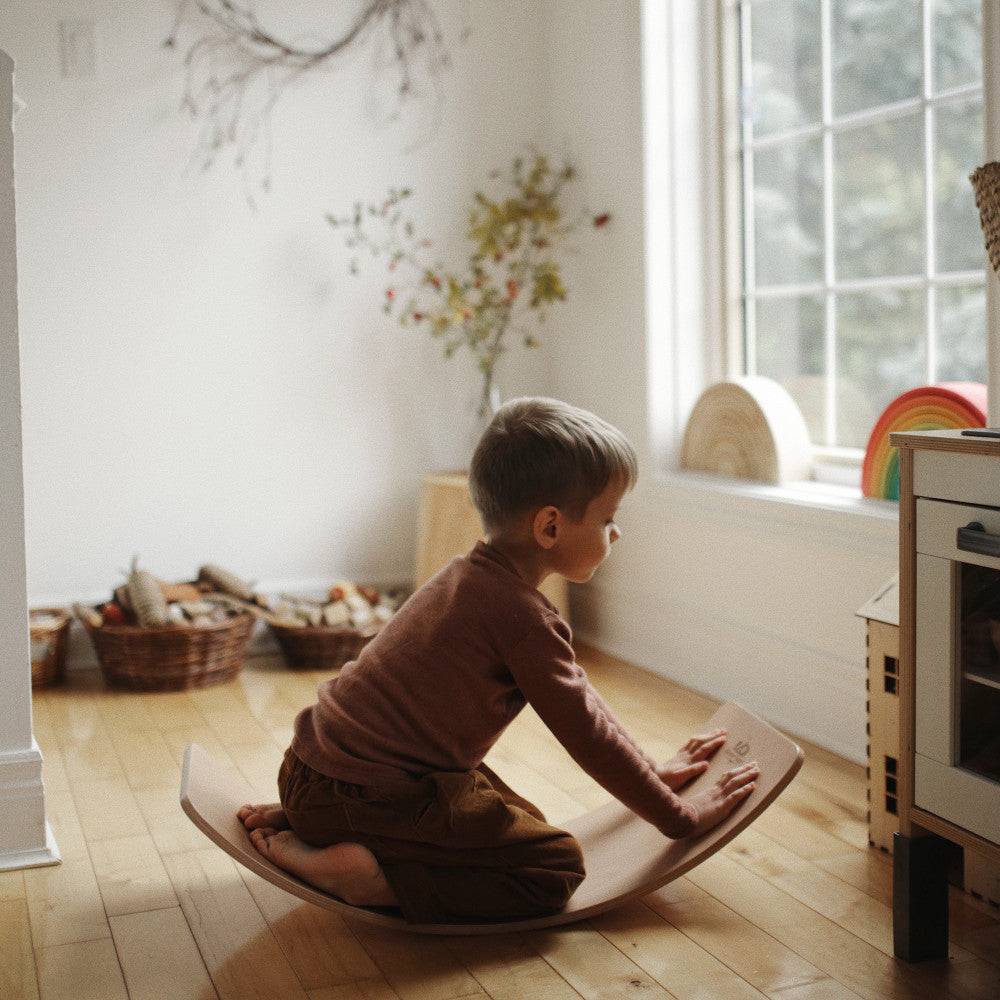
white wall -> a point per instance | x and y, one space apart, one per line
205 382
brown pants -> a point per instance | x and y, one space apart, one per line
456 847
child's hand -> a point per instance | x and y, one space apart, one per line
719 800
691 760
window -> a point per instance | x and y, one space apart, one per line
863 260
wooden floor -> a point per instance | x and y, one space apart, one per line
143 906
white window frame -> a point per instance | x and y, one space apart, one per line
742 353
693 272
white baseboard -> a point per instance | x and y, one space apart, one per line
26 840
41 857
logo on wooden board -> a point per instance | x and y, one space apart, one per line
737 751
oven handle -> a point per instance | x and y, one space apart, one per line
975 538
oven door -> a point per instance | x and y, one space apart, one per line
957 698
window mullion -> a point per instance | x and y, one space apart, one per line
749 255
930 222
829 233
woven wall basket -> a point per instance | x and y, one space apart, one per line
173 658
986 184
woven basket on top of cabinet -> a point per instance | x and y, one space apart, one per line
986 186
171 658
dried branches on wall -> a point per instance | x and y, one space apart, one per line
237 69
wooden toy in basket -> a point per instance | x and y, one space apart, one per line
156 636
324 635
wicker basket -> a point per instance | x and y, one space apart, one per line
986 184
174 658
49 639
319 647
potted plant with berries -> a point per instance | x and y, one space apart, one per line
505 285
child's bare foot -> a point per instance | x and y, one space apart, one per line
691 760
349 871
269 817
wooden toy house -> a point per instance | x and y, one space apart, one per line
976 874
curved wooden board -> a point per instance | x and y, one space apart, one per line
625 856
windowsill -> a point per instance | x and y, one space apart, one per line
814 504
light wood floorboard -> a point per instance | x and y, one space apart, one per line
143 907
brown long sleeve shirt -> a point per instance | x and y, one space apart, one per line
445 677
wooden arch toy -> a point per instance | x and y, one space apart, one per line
626 857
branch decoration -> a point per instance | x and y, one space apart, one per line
237 69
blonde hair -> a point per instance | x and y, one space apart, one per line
537 451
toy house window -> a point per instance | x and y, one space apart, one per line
890 674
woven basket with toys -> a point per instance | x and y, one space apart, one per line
49 638
156 636
324 635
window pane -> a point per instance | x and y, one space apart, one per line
958 150
786 85
788 208
961 334
880 199
790 350
957 27
877 55
881 353
865 116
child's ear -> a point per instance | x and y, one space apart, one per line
545 526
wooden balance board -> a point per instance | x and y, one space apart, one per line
626 857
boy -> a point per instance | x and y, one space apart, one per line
385 800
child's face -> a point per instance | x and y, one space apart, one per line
583 545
